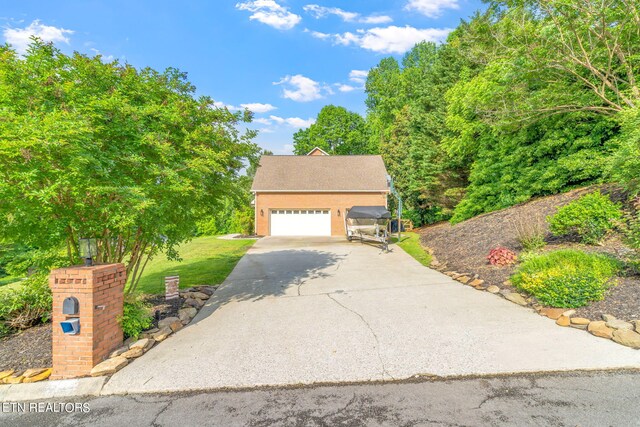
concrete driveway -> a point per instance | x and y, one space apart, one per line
320 310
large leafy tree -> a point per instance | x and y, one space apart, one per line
92 149
336 131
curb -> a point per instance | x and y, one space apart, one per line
78 387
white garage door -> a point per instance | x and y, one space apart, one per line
300 222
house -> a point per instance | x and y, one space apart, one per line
309 195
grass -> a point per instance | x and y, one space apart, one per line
411 244
7 280
10 286
205 261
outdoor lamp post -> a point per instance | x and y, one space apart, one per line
88 250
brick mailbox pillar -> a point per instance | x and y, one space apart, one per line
98 291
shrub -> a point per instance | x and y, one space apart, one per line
530 232
501 256
27 305
590 217
136 317
566 278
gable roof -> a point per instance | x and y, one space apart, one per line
317 152
320 174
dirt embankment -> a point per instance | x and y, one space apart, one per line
464 248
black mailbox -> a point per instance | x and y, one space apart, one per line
70 305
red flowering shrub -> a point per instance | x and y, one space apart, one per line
502 256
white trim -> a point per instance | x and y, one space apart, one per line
319 149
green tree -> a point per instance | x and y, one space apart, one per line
92 149
336 131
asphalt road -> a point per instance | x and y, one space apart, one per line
567 399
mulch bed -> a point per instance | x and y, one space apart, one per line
464 247
31 348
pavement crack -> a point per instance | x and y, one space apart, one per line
373 333
154 422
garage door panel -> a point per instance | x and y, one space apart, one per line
300 222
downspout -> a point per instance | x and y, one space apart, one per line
399 199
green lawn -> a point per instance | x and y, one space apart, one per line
9 284
411 244
205 261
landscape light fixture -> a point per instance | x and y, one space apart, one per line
88 250
261 212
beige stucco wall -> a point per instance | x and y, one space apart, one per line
332 201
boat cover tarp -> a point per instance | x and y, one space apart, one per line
370 212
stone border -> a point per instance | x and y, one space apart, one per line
193 299
619 331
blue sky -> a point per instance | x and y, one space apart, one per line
284 59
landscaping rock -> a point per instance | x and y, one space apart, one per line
193 302
563 321
507 283
119 351
143 344
619 324
13 380
176 326
5 374
493 289
209 290
580 321
600 329
133 353
516 297
109 366
476 282
199 295
569 313
463 279
186 314
43 375
637 324
552 313
32 372
162 334
608 317
627 337
450 273
167 322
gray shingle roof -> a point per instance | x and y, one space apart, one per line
320 173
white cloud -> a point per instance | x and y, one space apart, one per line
358 76
317 34
346 88
300 88
322 12
294 122
431 8
271 13
220 104
107 58
391 39
262 121
257 107
20 38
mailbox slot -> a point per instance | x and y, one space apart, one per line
71 326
